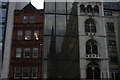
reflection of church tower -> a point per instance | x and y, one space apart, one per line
52 57
52 46
70 51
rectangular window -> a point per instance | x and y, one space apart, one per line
27 52
17 72
26 72
114 58
18 52
36 34
61 7
112 43
34 72
49 7
110 27
32 19
27 35
19 35
25 19
108 13
35 52
4 12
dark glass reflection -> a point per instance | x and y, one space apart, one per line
69 7
61 49
4 12
60 24
49 24
61 7
50 7
67 47
47 40
63 57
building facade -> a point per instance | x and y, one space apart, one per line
94 62
111 16
3 22
26 46
81 40
7 35
61 43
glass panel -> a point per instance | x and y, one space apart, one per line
0 34
34 72
60 24
94 49
26 72
17 72
47 41
25 19
4 12
62 54
114 58
69 7
27 35
97 73
67 47
49 7
112 43
88 49
4 3
27 52
61 7
71 25
49 24
108 13
89 73
36 34
18 52
35 52
19 35
32 19
110 27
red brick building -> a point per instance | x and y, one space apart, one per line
27 41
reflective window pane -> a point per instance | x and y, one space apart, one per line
34 72
26 72
49 24
19 35
25 19
36 34
17 72
32 19
27 52
35 52
60 24
28 35
18 52
69 7
4 12
61 7
50 7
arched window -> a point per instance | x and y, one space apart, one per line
89 73
91 47
96 73
96 9
90 25
93 71
82 8
89 8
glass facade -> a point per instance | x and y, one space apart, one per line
61 48
112 50
3 20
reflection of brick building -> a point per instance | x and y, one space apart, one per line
26 48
